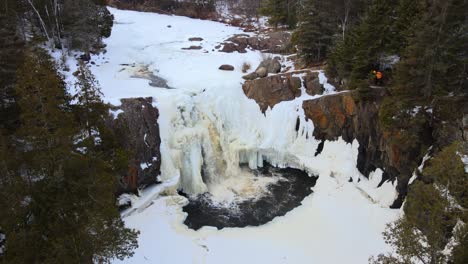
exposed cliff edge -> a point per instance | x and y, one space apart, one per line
341 115
136 125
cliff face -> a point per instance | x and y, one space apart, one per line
136 125
269 91
272 90
340 115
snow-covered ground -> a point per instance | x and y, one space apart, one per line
341 222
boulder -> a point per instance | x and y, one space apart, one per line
271 65
196 39
312 83
137 130
193 48
230 47
261 72
250 76
226 67
271 90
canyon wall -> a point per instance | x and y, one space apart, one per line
135 123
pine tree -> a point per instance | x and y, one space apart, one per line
373 39
315 31
420 234
360 51
10 57
436 58
58 202
434 205
280 12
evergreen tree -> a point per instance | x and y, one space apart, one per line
419 236
434 205
10 57
315 30
280 12
58 202
436 58
374 37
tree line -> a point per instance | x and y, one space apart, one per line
59 163
420 46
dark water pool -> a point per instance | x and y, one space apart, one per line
283 196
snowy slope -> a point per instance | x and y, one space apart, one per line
340 222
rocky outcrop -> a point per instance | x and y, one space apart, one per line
269 91
137 130
312 83
271 65
278 42
340 115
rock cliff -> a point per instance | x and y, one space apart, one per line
347 116
136 124
274 89
341 115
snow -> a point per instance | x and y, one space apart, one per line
421 167
464 159
206 121
2 241
116 113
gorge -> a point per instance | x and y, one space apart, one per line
208 128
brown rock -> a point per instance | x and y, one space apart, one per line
230 47
269 91
271 65
261 72
250 76
193 48
137 130
312 83
226 67
331 113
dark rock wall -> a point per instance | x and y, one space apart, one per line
138 130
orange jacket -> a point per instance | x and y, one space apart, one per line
379 75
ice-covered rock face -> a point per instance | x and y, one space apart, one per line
208 127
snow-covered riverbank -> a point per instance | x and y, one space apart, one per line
340 222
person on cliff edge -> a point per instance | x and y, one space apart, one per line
378 80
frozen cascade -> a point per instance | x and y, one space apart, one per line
208 147
207 137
